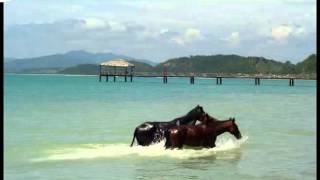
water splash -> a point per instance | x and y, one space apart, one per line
92 151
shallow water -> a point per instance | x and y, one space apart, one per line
73 127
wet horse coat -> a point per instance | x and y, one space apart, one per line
201 135
153 132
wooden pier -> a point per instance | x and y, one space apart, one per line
218 79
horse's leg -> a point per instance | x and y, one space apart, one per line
181 142
182 138
158 136
213 142
208 142
161 135
174 141
134 136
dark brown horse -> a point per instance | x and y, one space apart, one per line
201 135
153 132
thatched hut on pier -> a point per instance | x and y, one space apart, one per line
117 67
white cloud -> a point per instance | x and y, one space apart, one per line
281 33
299 32
190 35
117 27
94 23
164 31
233 38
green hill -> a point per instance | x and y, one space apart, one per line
227 64
309 65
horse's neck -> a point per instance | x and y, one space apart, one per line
187 121
214 119
222 126
183 119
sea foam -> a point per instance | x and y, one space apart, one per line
92 151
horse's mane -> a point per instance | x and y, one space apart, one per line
190 113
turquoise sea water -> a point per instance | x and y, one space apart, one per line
73 127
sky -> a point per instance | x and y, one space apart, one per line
157 30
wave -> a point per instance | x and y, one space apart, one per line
92 151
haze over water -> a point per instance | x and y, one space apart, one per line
73 127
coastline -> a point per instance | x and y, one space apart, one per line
186 75
198 75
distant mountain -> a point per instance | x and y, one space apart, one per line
58 61
86 69
146 62
8 59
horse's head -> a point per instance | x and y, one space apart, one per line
204 117
191 117
197 112
233 129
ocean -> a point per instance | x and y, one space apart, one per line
75 127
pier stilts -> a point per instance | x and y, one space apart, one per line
114 78
165 79
191 79
107 78
291 82
219 80
125 78
257 81
99 73
131 78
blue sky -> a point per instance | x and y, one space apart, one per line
158 30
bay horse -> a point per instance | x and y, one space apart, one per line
201 135
153 132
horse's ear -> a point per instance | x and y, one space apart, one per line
233 120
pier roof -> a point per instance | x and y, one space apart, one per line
117 63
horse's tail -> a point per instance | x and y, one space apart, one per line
134 136
167 136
